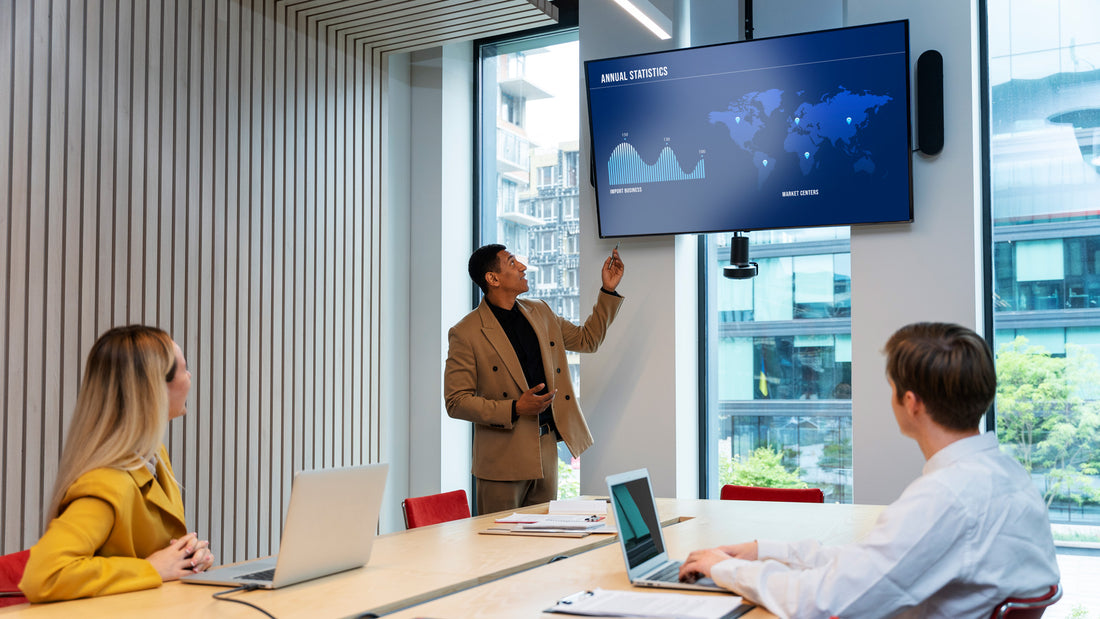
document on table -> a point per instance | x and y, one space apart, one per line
554 522
604 603
578 506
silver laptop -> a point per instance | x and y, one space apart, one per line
641 538
330 527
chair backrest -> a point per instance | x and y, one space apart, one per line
1027 608
435 508
731 492
11 572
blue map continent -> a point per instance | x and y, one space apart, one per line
745 118
835 118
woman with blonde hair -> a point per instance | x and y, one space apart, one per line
115 520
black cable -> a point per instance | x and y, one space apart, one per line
218 596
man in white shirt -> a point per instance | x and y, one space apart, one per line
968 533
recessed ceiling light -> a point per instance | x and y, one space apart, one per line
660 29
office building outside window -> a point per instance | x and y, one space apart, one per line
779 363
1044 79
528 155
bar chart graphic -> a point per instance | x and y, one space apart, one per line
626 167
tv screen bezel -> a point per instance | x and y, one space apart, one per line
594 181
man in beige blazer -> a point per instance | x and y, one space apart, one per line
507 373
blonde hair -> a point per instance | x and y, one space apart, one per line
122 408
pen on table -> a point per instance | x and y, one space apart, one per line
576 597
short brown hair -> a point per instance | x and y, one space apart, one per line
948 366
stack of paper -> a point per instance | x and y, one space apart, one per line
597 507
569 518
554 522
604 603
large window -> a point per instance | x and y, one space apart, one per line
528 191
1044 77
779 363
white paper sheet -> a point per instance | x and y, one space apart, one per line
604 603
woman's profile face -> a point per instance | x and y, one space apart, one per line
178 386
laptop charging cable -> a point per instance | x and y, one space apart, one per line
220 596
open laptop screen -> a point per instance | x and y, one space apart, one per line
636 516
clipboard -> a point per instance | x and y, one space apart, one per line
612 603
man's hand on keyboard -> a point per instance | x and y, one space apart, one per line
699 563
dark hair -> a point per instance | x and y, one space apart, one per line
949 367
483 260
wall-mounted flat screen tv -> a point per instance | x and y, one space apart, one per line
786 132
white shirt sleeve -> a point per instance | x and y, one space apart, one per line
803 554
908 555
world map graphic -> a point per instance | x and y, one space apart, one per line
770 123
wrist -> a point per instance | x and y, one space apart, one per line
605 290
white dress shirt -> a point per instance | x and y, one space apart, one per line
968 533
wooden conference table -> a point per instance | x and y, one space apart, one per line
449 570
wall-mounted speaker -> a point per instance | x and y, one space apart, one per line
930 102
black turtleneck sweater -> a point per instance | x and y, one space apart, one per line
526 344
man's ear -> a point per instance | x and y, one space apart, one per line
492 279
912 402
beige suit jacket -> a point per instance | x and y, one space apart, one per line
483 377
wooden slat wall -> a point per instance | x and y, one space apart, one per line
210 167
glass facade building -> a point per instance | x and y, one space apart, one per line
779 357
1044 158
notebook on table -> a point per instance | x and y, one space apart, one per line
330 527
641 538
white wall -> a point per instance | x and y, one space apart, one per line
441 197
630 389
429 172
396 317
930 269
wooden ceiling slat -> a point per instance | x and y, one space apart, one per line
385 33
408 25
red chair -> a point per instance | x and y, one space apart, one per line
731 492
435 508
11 572
1027 608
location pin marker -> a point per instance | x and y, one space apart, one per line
797 120
806 154
849 120
765 163
737 119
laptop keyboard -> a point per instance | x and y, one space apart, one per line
260 575
669 573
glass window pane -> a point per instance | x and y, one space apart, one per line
737 377
1044 166
773 289
1053 341
734 295
780 396
813 279
528 156
844 348
1039 260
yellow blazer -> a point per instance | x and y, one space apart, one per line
483 376
110 521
